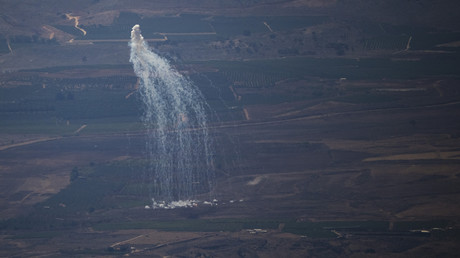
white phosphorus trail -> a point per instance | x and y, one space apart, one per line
9 46
178 144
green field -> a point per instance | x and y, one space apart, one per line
386 42
105 104
335 68
223 26
61 106
151 26
4 46
321 229
47 105
99 188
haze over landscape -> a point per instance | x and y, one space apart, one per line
212 128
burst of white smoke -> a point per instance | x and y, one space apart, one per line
136 37
174 112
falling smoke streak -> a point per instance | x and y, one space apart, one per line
178 143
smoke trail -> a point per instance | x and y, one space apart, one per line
174 114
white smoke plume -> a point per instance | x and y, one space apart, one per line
174 113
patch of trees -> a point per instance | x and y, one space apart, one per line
74 174
23 39
339 48
288 51
64 95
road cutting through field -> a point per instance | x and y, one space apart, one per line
451 155
76 19
29 142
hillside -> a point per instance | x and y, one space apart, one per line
334 127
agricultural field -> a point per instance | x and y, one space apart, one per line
308 161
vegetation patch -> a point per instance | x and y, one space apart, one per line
32 235
367 98
193 225
336 68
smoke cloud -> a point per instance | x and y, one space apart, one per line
178 142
